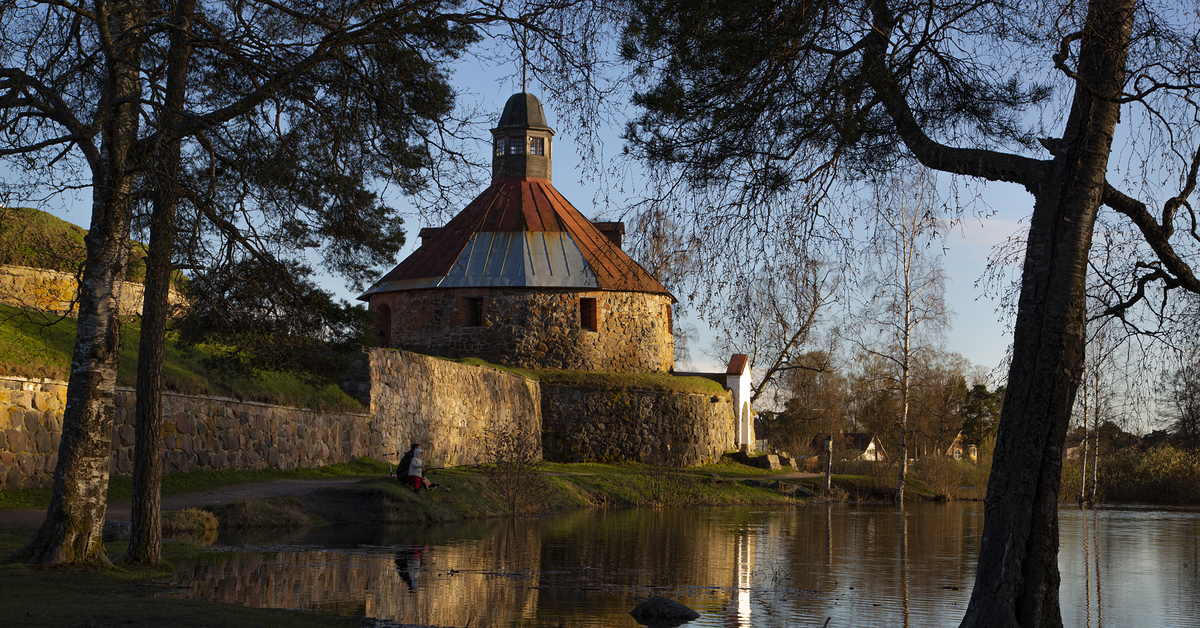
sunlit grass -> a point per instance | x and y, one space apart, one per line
37 345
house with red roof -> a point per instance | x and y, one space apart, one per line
521 277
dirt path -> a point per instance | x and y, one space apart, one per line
790 475
119 510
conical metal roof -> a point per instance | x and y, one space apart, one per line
519 233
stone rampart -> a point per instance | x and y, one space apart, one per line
603 425
54 291
207 433
450 408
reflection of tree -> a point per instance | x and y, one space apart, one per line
902 523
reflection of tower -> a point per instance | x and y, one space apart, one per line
737 614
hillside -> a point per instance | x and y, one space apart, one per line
33 238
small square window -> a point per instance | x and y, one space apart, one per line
474 306
537 146
516 145
587 314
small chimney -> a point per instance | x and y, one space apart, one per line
614 231
428 233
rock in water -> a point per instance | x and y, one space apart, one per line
659 611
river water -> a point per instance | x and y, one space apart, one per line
761 567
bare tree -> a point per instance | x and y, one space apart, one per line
904 314
1180 404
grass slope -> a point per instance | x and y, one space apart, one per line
33 238
35 344
662 382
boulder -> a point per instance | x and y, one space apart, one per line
659 611
767 461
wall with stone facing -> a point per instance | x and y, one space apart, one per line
450 408
199 433
53 291
534 328
591 424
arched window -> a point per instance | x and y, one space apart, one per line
383 323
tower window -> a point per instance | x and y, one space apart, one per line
537 146
587 314
383 322
516 145
474 306
499 147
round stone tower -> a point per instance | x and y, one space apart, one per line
520 277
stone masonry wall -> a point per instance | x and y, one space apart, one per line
199 433
535 328
600 425
449 408
53 291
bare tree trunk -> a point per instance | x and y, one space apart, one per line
1017 579
145 542
73 528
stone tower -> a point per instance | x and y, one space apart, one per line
520 277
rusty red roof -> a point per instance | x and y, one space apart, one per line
737 364
528 205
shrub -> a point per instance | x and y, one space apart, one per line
942 475
669 487
514 474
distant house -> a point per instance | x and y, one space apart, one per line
861 446
958 450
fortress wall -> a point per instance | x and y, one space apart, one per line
602 425
54 291
453 410
199 433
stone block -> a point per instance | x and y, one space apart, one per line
42 439
14 478
17 441
126 435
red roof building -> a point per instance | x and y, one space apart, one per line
520 277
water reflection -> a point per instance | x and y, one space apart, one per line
739 567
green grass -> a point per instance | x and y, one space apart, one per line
33 238
34 344
662 382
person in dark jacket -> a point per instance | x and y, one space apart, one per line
405 463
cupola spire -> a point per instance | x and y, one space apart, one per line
522 140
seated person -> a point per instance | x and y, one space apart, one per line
414 472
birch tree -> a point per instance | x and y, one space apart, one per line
904 312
